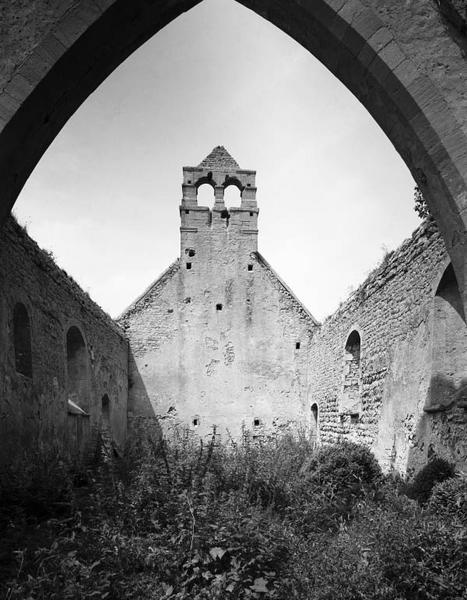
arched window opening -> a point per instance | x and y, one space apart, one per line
105 409
232 196
449 347
22 340
351 397
352 347
314 423
77 368
205 195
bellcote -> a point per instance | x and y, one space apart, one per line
220 171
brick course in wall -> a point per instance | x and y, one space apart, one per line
35 409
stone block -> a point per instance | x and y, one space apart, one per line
71 28
19 87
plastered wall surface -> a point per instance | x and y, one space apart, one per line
403 415
35 408
223 367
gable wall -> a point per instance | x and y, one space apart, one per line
225 367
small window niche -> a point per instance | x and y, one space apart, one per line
351 394
188 265
250 267
297 345
314 423
219 306
190 252
256 422
196 421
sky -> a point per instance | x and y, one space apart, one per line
333 193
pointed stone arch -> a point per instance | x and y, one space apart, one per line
379 49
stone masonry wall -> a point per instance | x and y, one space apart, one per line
35 409
194 364
393 311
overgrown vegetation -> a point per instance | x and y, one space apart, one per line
436 471
421 206
182 520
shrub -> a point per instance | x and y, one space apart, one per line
329 485
345 465
262 470
233 551
435 471
449 499
36 486
389 551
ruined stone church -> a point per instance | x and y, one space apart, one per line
220 341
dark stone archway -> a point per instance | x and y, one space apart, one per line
401 60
